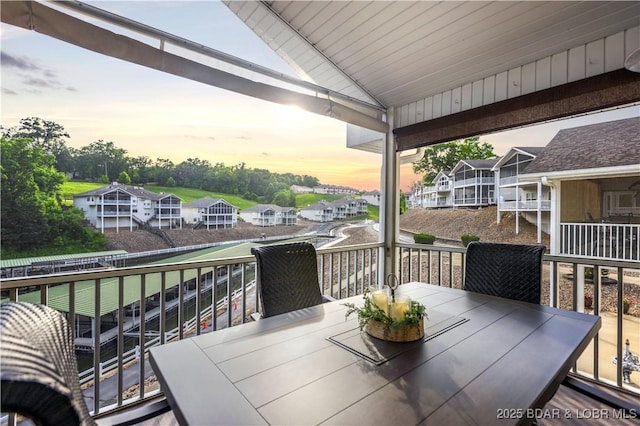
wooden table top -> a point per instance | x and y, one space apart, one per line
503 360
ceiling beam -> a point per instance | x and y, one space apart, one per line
615 88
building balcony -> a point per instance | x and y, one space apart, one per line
114 202
437 203
524 205
508 180
601 240
113 213
176 301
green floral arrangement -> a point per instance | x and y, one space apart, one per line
410 315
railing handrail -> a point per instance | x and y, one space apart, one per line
65 277
345 271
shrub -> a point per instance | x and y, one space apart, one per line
467 238
424 238
588 273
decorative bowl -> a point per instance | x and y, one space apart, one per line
404 333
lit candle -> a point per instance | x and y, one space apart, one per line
381 300
399 307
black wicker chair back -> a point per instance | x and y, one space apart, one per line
39 371
287 277
513 271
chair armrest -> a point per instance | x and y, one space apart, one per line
328 298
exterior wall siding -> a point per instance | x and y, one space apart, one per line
598 57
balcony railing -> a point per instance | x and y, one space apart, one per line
525 205
601 240
152 305
508 180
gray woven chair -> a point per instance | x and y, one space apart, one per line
39 369
39 373
513 271
287 278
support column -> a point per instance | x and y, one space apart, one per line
554 227
497 195
517 209
539 211
389 214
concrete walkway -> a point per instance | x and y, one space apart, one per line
607 349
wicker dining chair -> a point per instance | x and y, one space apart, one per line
39 369
287 278
513 271
39 373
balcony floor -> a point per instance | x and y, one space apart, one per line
566 407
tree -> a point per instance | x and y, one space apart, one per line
102 158
284 198
163 170
124 178
48 136
31 210
403 202
192 172
445 156
29 184
140 169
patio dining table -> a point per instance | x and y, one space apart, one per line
483 360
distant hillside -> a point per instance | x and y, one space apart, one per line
453 223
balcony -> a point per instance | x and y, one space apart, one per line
144 306
510 180
601 240
525 205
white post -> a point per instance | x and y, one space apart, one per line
497 195
580 293
102 213
554 226
517 207
389 222
539 211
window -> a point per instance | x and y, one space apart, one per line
621 203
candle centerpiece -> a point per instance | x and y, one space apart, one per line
390 316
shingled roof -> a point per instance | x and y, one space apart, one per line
136 191
602 145
205 202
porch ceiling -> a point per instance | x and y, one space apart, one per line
433 59
445 70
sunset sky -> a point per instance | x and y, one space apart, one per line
159 115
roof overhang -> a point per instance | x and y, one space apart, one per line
457 69
595 93
596 173
435 71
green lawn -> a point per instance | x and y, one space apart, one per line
304 200
71 188
189 194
